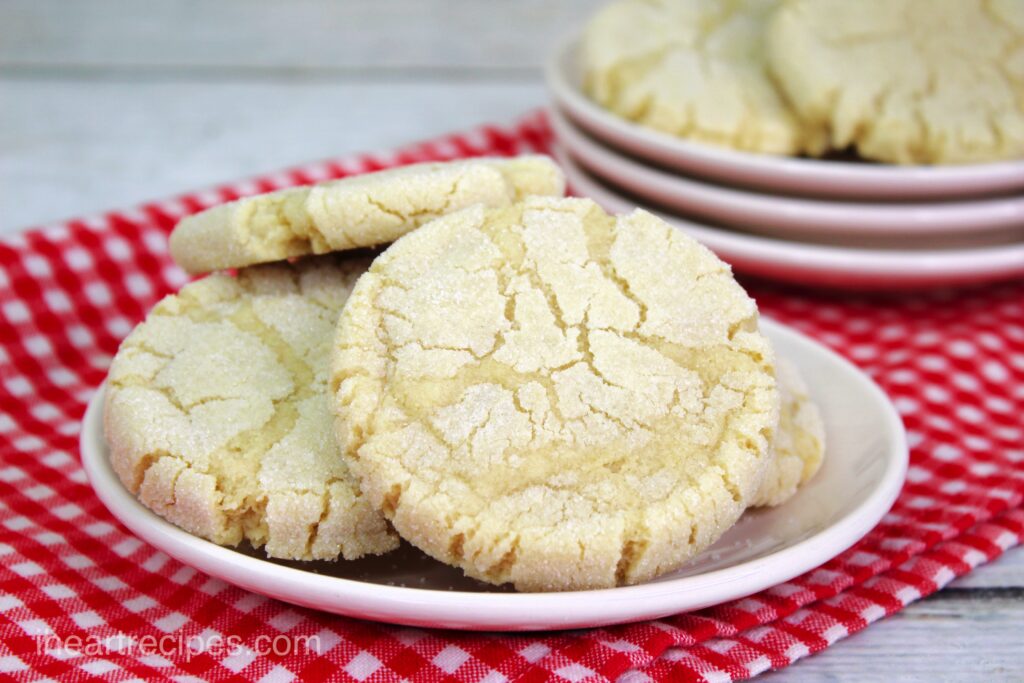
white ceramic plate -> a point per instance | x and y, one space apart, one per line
792 216
863 472
783 174
824 265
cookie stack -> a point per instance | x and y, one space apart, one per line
521 385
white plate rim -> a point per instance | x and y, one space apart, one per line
753 211
805 176
513 611
821 264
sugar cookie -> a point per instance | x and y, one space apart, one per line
906 81
359 211
218 420
691 68
799 446
547 395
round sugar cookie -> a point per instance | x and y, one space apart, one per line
799 446
906 81
554 397
691 68
359 211
217 415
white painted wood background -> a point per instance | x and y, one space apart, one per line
107 103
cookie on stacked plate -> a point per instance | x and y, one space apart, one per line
896 81
876 144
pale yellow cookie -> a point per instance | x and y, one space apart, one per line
799 446
360 211
217 416
691 68
554 397
906 81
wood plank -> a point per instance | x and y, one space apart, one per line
955 635
1006 572
69 148
245 36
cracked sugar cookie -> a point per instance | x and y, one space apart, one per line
359 211
799 446
218 420
691 68
554 397
906 81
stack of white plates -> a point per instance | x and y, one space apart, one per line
811 221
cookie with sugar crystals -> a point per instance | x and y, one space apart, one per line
695 69
217 415
360 211
905 81
799 446
554 397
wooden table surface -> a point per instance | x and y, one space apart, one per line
106 103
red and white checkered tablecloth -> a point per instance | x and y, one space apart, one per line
81 597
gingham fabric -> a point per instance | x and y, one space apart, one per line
953 363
